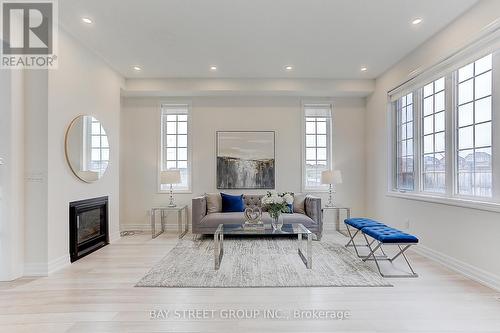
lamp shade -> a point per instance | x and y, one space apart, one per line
170 177
331 177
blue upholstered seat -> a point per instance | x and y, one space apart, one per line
387 234
361 222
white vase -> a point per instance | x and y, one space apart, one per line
278 222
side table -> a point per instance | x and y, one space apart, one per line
337 210
181 219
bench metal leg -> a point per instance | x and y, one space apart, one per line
351 240
372 256
353 244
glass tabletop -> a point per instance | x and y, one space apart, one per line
238 229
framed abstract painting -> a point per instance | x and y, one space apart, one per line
245 160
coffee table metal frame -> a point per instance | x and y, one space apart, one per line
304 252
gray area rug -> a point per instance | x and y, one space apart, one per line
260 262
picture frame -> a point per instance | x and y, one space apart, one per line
245 159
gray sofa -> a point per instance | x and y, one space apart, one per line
203 223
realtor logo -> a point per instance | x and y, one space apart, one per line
29 31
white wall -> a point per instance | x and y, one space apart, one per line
36 169
140 131
83 84
466 238
11 174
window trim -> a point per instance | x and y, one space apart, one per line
329 134
188 190
449 201
451 196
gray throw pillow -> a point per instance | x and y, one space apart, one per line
299 203
214 202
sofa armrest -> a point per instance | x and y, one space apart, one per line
199 208
313 210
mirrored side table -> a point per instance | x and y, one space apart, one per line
182 219
337 209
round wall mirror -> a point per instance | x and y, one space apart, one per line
87 148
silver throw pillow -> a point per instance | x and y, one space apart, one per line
214 203
299 203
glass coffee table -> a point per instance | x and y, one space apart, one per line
303 234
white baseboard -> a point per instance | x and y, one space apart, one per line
135 227
58 263
472 272
114 236
44 269
35 269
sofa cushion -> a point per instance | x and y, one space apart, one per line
299 203
232 203
213 220
298 218
214 203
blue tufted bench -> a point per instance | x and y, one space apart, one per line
358 223
383 235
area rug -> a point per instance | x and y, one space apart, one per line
260 262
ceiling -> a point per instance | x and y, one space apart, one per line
329 39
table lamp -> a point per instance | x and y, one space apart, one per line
331 177
171 177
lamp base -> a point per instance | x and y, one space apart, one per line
330 204
171 201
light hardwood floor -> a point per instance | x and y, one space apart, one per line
97 294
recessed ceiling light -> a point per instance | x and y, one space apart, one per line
87 20
137 68
364 69
416 21
289 68
213 68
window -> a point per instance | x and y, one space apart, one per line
433 137
98 146
317 143
474 124
175 144
405 160
454 115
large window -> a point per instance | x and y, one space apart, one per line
474 124
317 152
405 160
454 116
175 144
433 137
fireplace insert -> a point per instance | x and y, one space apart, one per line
88 226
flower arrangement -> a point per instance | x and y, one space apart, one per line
277 203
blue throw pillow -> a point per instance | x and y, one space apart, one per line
232 203
290 209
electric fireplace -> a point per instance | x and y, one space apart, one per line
88 226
